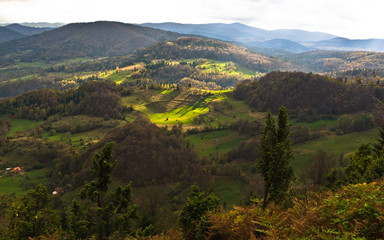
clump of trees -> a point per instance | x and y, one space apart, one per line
192 219
98 98
308 96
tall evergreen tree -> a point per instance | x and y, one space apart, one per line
276 153
110 212
378 147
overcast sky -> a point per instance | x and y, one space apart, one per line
358 19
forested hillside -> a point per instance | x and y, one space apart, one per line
97 39
8 34
188 47
307 94
146 155
97 99
334 61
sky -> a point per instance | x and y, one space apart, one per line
356 19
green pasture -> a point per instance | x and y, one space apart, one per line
319 124
229 190
336 144
183 115
228 68
87 137
20 125
119 76
21 183
220 141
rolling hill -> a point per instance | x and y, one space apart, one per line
333 61
96 39
26 31
305 94
193 47
283 44
8 35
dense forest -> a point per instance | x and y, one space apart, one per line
307 94
95 98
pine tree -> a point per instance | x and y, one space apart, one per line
276 154
191 219
378 147
110 212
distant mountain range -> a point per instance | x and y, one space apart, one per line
272 42
104 39
238 32
292 40
17 31
96 39
346 44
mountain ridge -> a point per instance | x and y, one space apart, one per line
25 30
8 35
247 33
95 39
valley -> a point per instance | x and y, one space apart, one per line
170 111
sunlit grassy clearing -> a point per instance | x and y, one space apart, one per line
168 92
187 113
119 77
224 67
180 115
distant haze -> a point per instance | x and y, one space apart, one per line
354 19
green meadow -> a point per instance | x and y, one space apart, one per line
18 184
337 144
221 141
20 125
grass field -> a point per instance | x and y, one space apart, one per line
229 190
20 125
221 141
119 77
21 183
331 144
319 124
88 136
227 68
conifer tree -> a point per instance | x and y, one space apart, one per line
276 154
110 212
191 219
